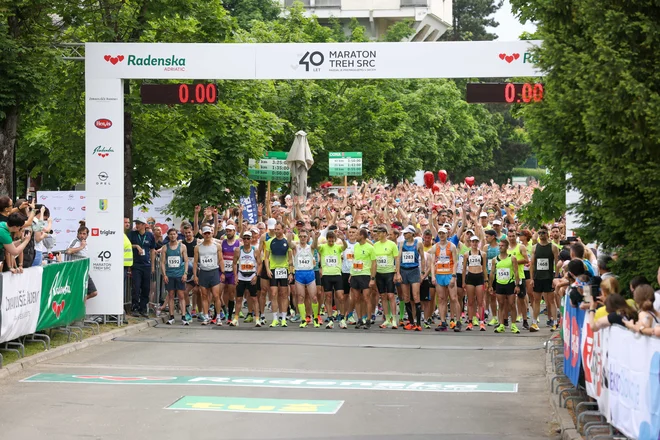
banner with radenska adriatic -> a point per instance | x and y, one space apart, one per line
63 291
20 300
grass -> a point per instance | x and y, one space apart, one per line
57 340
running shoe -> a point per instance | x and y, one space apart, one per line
342 324
401 323
458 326
257 323
519 318
526 325
426 324
475 321
534 328
319 321
442 327
205 320
452 324
185 322
157 312
248 319
330 324
553 328
240 314
218 322
418 328
334 314
482 327
394 326
200 317
275 323
188 318
385 324
233 323
303 324
263 321
514 328
222 315
469 326
283 322
493 322
366 324
295 318
194 314
351 320
500 328
317 324
308 319
409 326
170 321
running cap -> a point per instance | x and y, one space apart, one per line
140 220
447 225
483 214
230 227
300 223
271 223
277 204
206 229
474 237
247 234
497 222
491 232
443 230
480 198
409 230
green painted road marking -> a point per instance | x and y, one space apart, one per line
269 382
248 405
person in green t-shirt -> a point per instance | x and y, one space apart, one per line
331 278
363 277
13 224
386 252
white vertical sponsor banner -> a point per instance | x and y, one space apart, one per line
594 362
156 210
634 383
21 299
104 188
67 209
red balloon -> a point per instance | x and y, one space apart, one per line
436 188
469 180
442 175
429 179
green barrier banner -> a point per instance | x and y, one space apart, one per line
63 290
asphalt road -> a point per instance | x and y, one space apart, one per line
375 384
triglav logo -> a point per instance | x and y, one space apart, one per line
96 232
103 123
510 58
102 151
171 64
339 61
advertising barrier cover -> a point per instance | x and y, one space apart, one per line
572 327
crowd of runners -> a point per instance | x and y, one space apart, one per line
399 257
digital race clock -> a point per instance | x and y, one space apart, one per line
179 93
504 93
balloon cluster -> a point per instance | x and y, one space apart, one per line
429 180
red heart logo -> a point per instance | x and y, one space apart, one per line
57 308
469 180
121 57
114 60
516 55
502 55
107 57
508 59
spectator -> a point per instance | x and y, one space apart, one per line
14 224
648 316
604 263
618 311
143 244
77 250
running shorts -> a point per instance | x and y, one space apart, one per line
332 283
242 285
305 277
425 290
360 282
385 283
209 278
474 279
543 286
410 276
175 283
443 280
505 289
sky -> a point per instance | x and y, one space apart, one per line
509 28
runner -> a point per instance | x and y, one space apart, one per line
303 257
386 253
206 259
408 274
174 264
264 278
444 277
474 282
427 288
278 267
245 264
331 258
227 280
346 268
543 269
363 277
192 289
520 252
506 280
492 250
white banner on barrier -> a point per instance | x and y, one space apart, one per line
634 383
21 299
67 209
594 362
155 209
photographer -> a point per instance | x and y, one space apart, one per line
13 225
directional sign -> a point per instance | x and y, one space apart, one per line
272 167
252 405
345 164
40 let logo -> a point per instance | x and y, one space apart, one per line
315 58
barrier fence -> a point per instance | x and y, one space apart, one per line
614 371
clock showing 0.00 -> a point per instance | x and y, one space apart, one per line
504 93
199 93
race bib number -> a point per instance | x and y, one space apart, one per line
331 261
358 265
503 274
543 264
443 260
490 265
381 261
281 273
407 257
247 267
305 263
350 257
207 260
173 261
474 260
228 265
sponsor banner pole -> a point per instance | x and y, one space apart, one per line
64 286
21 301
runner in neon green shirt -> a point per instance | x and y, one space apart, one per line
386 252
363 277
331 278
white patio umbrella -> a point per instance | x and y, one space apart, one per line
300 160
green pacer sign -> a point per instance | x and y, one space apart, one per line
284 382
63 290
253 405
272 167
345 164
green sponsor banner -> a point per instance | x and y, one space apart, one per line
252 405
63 290
283 382
345 164
271 167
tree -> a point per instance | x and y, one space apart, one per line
599 120
470 19
248 11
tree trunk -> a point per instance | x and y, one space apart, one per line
128 158
8 130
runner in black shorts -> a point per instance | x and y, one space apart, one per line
474 268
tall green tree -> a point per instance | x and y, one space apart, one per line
246 12
600 120
470 18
